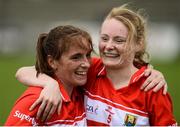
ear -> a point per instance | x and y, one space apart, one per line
52 62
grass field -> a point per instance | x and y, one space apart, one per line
11 88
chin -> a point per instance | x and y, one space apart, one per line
81 83
109 63
112 65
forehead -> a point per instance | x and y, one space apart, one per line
114 27
79 45
73 50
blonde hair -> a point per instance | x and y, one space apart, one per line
136 24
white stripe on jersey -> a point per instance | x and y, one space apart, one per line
78 121
101 98
82 122
102 112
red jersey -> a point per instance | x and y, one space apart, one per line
127 106
72 111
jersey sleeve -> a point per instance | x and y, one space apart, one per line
161 110
20 114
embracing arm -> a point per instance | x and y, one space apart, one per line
27 76
50 97
155 80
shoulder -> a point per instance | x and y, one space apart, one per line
20 114
159 97
95 68
155 100
160 108
96 64
96 60
31 92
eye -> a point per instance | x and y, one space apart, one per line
76 57
104 38
88 55
119 40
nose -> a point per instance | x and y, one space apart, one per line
85 63
109 45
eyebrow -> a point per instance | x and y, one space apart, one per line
120 37
104 34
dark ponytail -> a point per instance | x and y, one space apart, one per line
41 55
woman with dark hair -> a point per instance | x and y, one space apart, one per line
64 55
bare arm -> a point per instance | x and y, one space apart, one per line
50 97
27 76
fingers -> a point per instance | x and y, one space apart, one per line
156 80
46 112
38 101
159 86
149 86
148 80
52 111
165 89
49 111
147 72
153 83
41 109
59 107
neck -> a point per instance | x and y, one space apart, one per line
67 87
121 76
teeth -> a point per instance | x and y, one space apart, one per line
81 73
111 55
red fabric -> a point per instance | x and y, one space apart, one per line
156 106
71 111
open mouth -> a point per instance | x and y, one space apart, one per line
81 73
113 55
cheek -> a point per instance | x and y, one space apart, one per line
121 48
73 66
101 46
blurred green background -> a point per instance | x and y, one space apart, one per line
11 89
21 21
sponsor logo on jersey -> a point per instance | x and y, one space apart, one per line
109 110
130 120
92 109
22 116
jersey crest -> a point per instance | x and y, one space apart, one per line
130 120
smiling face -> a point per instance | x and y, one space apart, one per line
112 45
73 66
